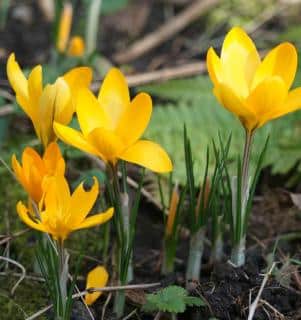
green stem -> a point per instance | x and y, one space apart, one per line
238 256
217 249
169 252
196 247
238 250
119 303
63 272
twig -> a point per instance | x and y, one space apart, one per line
18 275
104 289
130 315
166 31
14 235
22 276
104 308
6 110
254 304
272 308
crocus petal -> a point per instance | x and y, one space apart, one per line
96 219
291 104
269 95
53 160
16 77
239 59
25 217
90 113
35 88
281 61
82 202
63 109
135 119
114 95
97 278
108 144
74 138
78 78
214 66
149 155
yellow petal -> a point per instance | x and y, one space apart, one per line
149 155
240 60
76 47
114 95
135 119
74 138
78 78
97 278
291 104
89 112
82 202
281 61
108 144
53 160
26 218
35 88
96 219
63 110
214 66
269 95
17 80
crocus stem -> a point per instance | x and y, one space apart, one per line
238 256
196 247
217 249
63 272
245 164
238 250
119 303
169 252
125 209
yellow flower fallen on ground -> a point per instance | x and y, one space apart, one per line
97 278
172 211
111 125
60 213
255 91
54 102
64 27
76 47
34 169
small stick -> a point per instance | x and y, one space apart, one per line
104 289
104 308
254 304
166 31
273 308
22 276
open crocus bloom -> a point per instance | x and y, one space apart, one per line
60 213
255 91
111 125
54 102
34 169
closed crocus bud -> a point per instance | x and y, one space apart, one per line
64 27
172 211
76 47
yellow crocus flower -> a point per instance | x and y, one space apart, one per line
111 125
76 47
34 169
64 27
97 278
54 102
60 213
255 91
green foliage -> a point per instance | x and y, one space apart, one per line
109 6
173 299
191 101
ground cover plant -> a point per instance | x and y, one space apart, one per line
130 194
